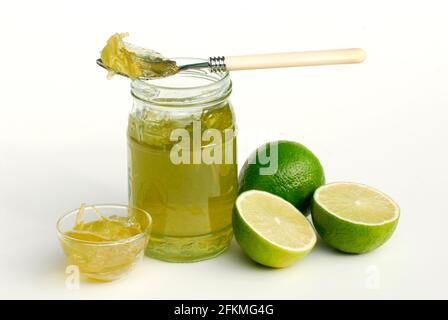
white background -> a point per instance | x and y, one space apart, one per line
383 123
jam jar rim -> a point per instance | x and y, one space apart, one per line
218 88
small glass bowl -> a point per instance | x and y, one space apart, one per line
104 261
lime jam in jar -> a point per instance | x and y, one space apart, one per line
182 162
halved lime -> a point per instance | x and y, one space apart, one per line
270 230
353 217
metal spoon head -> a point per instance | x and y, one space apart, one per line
181 68
101 64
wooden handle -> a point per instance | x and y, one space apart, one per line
295 59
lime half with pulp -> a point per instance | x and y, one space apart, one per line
270 230
353 217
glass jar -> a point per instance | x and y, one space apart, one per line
182 162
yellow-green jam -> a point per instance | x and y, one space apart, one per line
135 62
105 248
104 229
191 203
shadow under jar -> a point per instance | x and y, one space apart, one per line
182 162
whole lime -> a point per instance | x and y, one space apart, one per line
286 169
